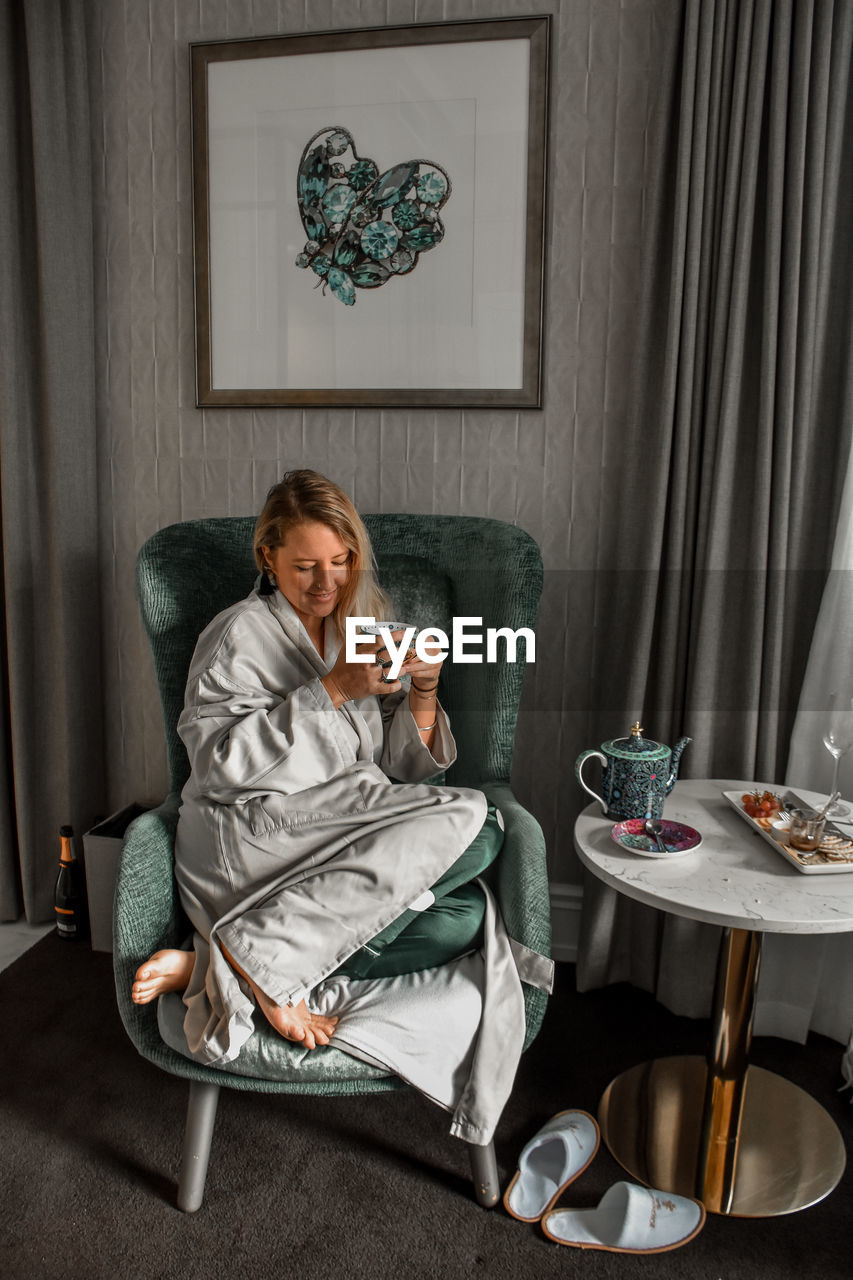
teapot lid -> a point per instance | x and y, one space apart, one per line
636 744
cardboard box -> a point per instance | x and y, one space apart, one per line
101 850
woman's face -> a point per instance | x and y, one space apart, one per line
311 566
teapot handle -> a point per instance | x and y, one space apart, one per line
579 763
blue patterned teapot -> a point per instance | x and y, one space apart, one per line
638 774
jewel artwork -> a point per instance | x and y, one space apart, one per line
364 226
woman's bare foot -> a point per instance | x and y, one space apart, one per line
294 1022
164 971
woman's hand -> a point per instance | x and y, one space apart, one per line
349 680
424 693
424 674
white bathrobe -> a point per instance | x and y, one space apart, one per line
294 848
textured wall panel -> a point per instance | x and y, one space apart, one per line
163 460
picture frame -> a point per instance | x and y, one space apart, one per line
368 216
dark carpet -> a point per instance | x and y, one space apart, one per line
359 1189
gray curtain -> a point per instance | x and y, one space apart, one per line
718 554
51 751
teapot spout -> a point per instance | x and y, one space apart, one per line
676 756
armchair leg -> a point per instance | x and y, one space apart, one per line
484 1171
198 1135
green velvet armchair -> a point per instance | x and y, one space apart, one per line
434 568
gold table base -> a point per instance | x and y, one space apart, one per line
667 1129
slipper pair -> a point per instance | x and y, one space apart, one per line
628 1219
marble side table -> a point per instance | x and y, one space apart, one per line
744 1141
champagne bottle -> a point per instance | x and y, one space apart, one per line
69 902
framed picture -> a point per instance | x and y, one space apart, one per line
368 216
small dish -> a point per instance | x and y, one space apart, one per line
677 837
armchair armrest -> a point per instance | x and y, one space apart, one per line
519 878
147 914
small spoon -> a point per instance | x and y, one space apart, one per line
653 828
830 802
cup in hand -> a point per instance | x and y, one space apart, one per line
375 629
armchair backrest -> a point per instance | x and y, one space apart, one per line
433 567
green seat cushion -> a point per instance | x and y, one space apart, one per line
267 1056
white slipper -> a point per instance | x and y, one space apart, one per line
552 1159
629 1219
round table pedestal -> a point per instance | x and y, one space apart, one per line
785 1154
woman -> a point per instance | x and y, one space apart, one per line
308 874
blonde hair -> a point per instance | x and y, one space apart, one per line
301 497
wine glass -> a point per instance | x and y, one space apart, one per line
838 739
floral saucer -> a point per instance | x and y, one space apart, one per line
677 837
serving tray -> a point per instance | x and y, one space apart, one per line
808 864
